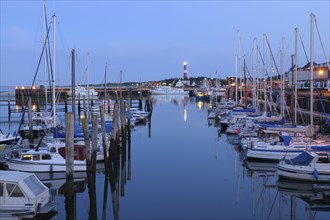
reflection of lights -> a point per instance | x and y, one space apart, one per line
200 105
185 115
34 107
16 108
82 116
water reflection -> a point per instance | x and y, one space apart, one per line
274 198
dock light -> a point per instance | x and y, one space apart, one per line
82 116
321 72
33 87
23 87
16 87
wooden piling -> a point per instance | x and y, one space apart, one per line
9 111
79 108
69 154
87 144
94 141
30 121
104 139
115 122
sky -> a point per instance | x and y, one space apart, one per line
150 40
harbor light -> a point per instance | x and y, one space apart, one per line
23 87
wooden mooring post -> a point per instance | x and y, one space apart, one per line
69 154
104 139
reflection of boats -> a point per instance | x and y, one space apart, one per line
315 195
48 159
167 90
57 183
268 168
308 166
23 195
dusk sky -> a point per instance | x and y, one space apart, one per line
150 40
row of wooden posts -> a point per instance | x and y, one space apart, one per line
119 137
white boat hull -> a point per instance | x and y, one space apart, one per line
271 154
26 166
305 173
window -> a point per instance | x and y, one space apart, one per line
34 185
45 157
14 190
26 157
36 157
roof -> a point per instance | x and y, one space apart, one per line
13 176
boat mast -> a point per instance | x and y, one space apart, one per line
105 84
295 76
239 63
87 72
312 69
254 94
282 77
236 79
265 74
54 71
45 57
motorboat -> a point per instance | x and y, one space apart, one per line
168 90
42 123
22 195
83 93
307 166
8 138
50 158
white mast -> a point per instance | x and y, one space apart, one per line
236 80
295 76
254 93
54 71
45 56
239 65
282 77
312 69
265 74
87 72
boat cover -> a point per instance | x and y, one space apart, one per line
302 159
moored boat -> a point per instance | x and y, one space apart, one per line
308 166
48 159
167 90
22 195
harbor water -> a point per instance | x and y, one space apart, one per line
180 166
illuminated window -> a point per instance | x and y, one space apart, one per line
26 157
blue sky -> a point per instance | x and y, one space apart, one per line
150 40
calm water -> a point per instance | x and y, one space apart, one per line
179 167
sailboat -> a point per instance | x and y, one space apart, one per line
43 122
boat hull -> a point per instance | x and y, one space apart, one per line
14 164
305 173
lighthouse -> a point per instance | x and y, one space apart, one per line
185 70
